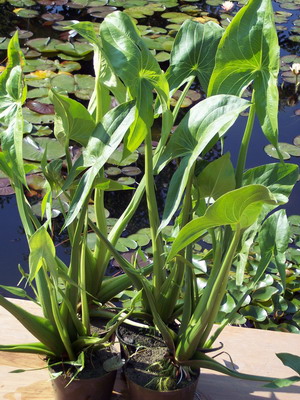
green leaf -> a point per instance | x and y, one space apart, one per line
133 62
193 53
254 313
206 120
279 178
34 348
241 206
77 122
105 139
12 96
39 327
249 52
273 240
217 178
290 360
42 253
264 293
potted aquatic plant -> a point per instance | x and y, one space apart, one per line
233 213
63 292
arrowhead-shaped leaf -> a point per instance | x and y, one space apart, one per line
241 206
193 53
249 52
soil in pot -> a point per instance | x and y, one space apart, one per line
95 382
132 338
143 378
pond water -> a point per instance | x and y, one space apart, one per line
13 246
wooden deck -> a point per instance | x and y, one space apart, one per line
253 351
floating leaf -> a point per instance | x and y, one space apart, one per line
52 17
40 108
131 171
33 149
44 45
5 188
35 118
126 180
26 12
113 171
22 34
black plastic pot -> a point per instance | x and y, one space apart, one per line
85 389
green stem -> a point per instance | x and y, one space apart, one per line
72 290
61 327
220 287
182 97
186 217
197 331
157 242
83 268
245 144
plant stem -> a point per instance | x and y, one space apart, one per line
157 242
182 97
203 318
245 144
84 301
186 217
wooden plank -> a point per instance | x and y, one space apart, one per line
252 351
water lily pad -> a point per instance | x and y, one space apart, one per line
68 66
288 76
23 34
75 49
63 81
22 3
38 92
126 180
39 64
272 152
36 181
124 244
289 149
281 28
36 118
113 171
40 108
295 38
29 53
290 6
131 171
52 2
142 239
53 17
100 12
33 149
5 188
26 12
40 130
44 45
162 56
4 43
